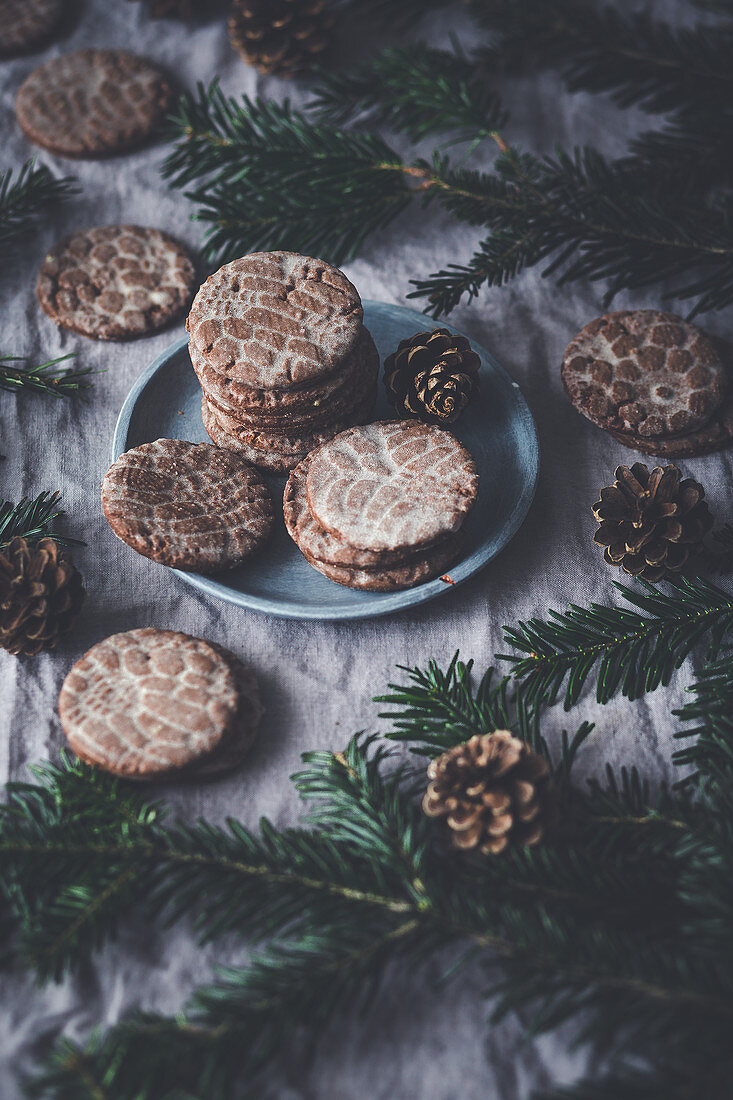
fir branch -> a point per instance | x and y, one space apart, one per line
634 57
631 652
24 198
42 377
265 178
589 219
711 711
33 520
414 90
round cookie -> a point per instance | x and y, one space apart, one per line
392 578
115 282
316 543
307 400
187 505
392 485
148 702
93 103
270 452
27 24
712 437
275 319
647 373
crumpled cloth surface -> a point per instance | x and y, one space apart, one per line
317 679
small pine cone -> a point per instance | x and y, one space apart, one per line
651 524
492 791
280 36
432 376
41 594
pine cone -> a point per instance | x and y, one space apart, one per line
432 376
492 791
651 524
280 36
41 594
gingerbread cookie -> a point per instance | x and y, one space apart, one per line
93 103
392 485
149 702
275 320
314 542
646 373
712 437
116 282
27 24
187 505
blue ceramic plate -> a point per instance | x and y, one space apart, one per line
498 430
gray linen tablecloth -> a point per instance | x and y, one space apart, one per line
317 678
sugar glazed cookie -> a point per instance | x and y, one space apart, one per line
116 282
392 485
275 319
187 505
93 103
382 507
27 24
150 703
646 373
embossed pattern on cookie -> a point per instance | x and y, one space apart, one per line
27 24
93 103
187 505
644 372
115 282
392 485
275 319
148 702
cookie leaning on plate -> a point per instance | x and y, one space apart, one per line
647 373
93 103
116 282
150 703
187 505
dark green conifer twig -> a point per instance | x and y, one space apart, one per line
24 198
33 520
42 377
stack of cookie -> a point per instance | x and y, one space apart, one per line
652 380
382 507
278 344
150 704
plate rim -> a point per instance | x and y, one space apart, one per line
389 603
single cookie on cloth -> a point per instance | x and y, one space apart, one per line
275 319
646 373
93 103
27 24
187 505
116 282
392 485
150 703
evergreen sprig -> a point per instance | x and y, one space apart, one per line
627 651
24 198
33 519
265 177
19 373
